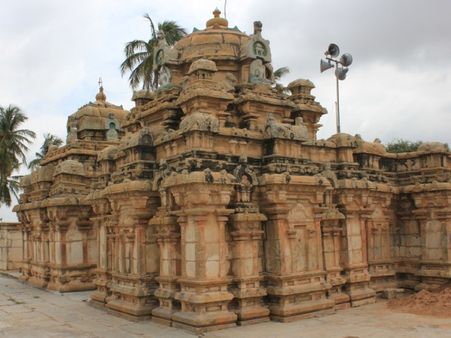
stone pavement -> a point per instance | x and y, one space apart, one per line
29 312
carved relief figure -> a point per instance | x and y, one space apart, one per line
164 76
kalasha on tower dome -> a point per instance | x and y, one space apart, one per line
231 50
211 203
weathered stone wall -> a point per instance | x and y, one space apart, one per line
10 246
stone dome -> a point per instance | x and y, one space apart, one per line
300 83
108 153
70 167
342 140
375 147
141 138
203 64
97 115
42 174
100 108
217 42
433 147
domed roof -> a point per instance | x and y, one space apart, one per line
433 147
203 64
42 174
94 115
108 153
375 147
70 167
342 140
301 83
217 42
141 138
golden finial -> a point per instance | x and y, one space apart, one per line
217 22
101 95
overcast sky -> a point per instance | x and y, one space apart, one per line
399 86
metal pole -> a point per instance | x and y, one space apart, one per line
225 9
338 106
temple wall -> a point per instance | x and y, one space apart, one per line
10 246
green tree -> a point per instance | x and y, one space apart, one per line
49 140
139 54
14 143
402 146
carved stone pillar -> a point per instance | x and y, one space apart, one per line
355 257
379 249
247 254
434 219
332 232
38 264
73 248
407 243
25 227
168 237
101 220
135 251
204 281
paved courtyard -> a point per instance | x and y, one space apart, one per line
29 312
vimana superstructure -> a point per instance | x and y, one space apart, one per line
212 203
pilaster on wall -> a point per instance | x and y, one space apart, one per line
433 215
72 248
103 222
332 225
36 268
204 280
58 245
25 228
379 224
247 234
294 262
135 253
407 243
353 205
168 238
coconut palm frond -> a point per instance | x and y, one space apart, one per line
280 72
13 147
139 54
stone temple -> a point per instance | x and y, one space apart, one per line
212 203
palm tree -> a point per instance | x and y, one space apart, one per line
139 54
280 72
49 140
14 143
9 186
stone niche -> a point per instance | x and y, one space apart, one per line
212 203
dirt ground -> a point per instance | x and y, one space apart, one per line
434 303
29 312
